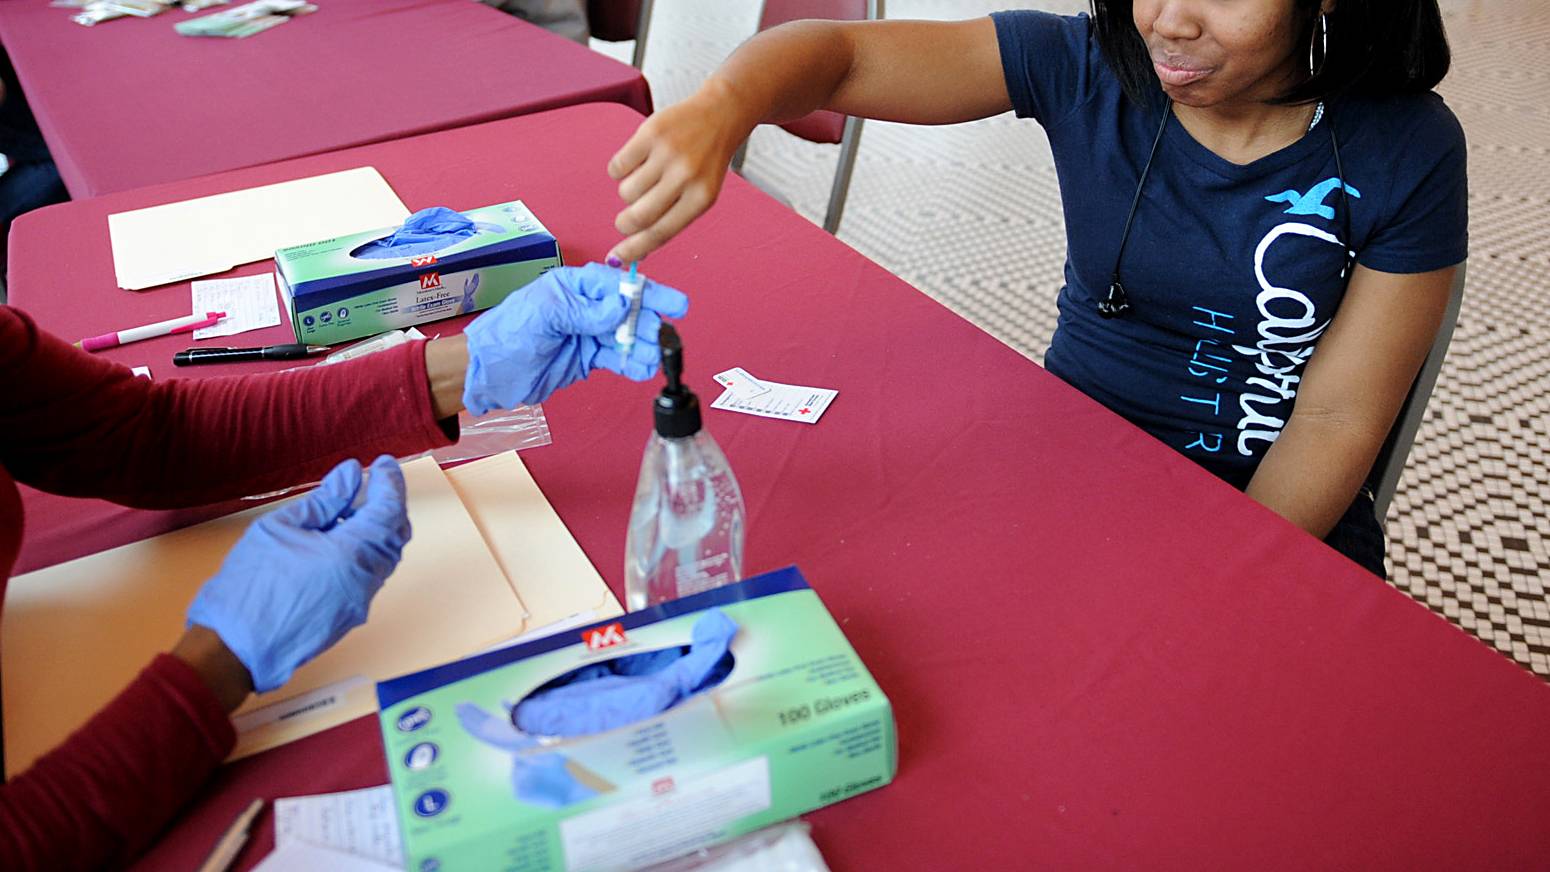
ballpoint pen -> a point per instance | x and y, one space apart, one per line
150 331
225 851
194 356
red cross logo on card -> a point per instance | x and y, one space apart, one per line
430 281
422 260
804 411
661 786
599 638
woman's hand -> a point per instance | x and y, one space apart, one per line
304 575
544 337
672 169
557 331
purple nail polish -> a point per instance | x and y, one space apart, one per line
614 261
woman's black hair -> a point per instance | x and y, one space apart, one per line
1376 47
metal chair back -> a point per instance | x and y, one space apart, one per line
822 126
621 21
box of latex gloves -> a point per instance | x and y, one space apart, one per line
636 740
438 264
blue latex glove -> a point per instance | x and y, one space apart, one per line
620 692
302 576
555 332
537 778
423 232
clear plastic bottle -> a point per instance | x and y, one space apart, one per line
686 525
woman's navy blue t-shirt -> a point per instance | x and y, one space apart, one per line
1233 271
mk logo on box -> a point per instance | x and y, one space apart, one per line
599 638
430 281
422 260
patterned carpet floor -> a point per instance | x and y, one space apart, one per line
970 214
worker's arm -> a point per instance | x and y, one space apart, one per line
921 72
1351 392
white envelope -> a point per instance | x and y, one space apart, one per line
179 241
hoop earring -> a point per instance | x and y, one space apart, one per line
1318 39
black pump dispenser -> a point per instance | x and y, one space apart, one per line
677 409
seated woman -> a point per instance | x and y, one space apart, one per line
28 177
302 576
1243 183
568 18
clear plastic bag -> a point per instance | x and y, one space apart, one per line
501 430
522 427
784 847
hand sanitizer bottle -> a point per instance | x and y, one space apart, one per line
686 526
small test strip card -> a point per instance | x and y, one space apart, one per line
740 383
786 402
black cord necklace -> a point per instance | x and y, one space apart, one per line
1117 302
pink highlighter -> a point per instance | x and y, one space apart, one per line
185 324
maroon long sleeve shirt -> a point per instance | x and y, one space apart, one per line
77 425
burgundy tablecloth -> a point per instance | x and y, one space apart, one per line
130 103
1098 655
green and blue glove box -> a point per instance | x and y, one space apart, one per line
795 723
350 287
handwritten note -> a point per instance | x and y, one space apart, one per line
358 822
249 303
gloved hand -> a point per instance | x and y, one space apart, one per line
304 575
555 332
426 231
603 696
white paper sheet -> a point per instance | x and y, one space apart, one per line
179 241
249 303
358 822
